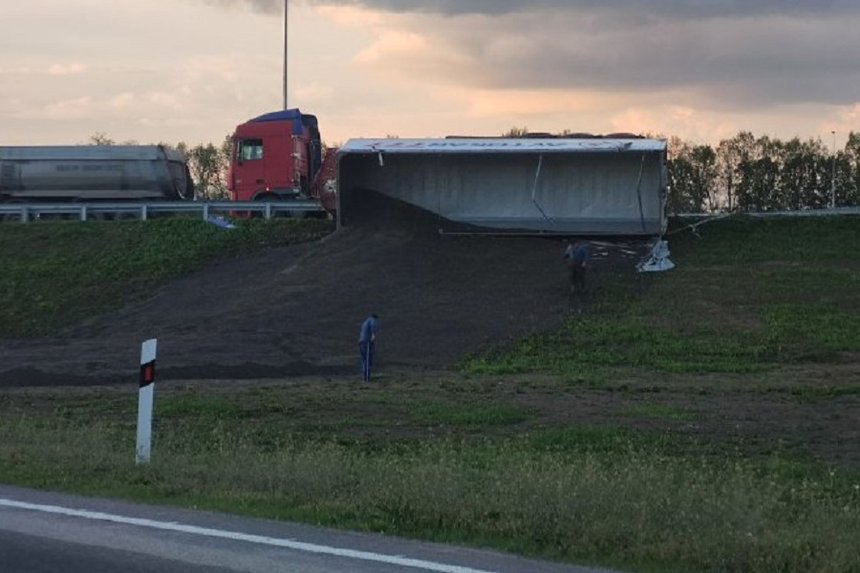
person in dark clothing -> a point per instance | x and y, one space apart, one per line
577 255
367 343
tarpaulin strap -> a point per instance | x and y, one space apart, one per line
639 192
535 186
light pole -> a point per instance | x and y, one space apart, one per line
833 175
286 49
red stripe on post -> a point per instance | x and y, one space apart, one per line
147 374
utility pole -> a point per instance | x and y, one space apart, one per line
286 50
833 175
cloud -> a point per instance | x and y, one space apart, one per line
852 113
16 71
729 54
663 9
632 10
261 6
315 92
70 109
66 69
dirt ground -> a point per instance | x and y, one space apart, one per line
773 416
293 314
296 311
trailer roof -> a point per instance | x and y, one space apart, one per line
504 145
90 153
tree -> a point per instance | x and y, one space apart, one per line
692 177
806 174
848 174
208 166
100 138
731 156
516 132
704 160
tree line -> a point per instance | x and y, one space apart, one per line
750 174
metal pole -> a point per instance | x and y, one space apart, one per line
833 175
286 50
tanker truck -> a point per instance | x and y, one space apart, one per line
93 173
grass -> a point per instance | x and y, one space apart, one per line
59 273
482 414
747 297
593 495
697 424
660 412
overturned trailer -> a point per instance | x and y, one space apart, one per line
596 186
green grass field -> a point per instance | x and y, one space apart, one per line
747 297
700 420
57 273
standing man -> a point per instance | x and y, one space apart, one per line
578 256
366 344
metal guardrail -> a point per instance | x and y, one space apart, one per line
768 214
84 211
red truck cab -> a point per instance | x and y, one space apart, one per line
275 157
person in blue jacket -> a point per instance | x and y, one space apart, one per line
577 256
367 343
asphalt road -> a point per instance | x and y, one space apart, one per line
45 532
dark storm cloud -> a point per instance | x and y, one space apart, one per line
663 8
671 9
736 53
738 61
668 9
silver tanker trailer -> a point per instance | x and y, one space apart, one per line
94 173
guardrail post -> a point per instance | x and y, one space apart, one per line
268 210
83 214
143 213
206 211
25 215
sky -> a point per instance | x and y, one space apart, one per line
191 70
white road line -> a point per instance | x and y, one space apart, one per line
236 536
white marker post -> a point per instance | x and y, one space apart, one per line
145 400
